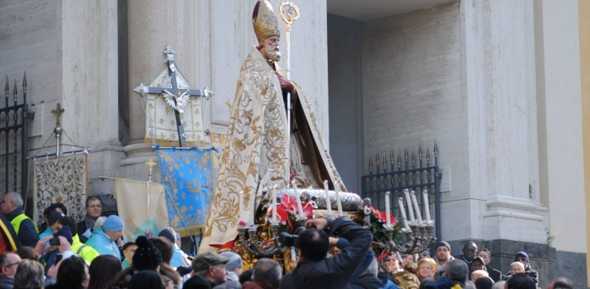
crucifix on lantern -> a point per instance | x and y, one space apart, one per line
58 130
174 91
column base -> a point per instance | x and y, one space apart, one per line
134 166
546 260
517 219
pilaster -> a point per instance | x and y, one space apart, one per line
501 103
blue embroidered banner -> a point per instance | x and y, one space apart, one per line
188 179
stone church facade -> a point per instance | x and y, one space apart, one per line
497 84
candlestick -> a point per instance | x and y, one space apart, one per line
400 203
328 201
387 209
339 203
416 208
299 206
273 195
426 207
409 203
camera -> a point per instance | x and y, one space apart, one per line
54 241
287 239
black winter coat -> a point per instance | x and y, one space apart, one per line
333 272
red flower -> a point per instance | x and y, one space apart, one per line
288 207
382 216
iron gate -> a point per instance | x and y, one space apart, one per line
394 172
14 119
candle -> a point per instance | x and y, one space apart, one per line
409 203
400 203
426 206
273 195
328 201
299 206
416 208
339 203
387 209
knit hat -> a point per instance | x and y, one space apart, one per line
443 244
234 260
113 223
147 256
521 254
168 234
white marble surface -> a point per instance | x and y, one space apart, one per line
562 125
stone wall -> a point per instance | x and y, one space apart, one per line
412 93
30 41
346 120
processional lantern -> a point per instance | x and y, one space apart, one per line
172 89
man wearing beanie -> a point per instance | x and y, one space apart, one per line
443 256
104 238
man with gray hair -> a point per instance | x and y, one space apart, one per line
9 262
211 267
12 207
233 268
267 275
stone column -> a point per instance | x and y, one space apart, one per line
89 62
500 91
153 25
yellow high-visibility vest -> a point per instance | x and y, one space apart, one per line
18 220
86 252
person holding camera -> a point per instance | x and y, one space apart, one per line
315 269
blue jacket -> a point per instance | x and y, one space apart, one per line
47 233
389 285
177 259
102 243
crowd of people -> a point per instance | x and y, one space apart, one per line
333 253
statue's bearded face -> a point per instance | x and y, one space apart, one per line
270 48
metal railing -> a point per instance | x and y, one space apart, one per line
14 121
416 170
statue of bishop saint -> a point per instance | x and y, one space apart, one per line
258 155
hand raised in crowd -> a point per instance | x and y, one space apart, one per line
42 246
64 245
333 241
317 223
52 271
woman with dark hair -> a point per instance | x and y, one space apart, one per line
166 250
147 257
72 274
102 271
146 280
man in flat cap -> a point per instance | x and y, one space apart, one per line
211 267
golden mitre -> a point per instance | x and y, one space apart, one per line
266 23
